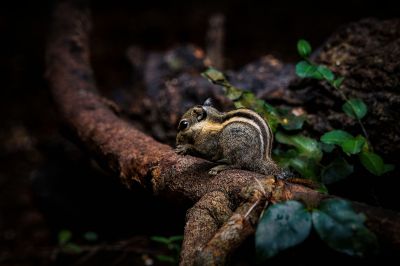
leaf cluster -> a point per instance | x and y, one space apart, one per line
173 244
68 246
354 108
351 145
285 225
246 99
304 154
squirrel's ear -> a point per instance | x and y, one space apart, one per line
208 102
200 113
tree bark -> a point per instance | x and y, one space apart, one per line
228 204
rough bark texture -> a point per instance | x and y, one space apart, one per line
203 220
228 205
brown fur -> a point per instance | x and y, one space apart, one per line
239 138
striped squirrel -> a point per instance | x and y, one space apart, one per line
239 139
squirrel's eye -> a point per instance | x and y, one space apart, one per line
183 125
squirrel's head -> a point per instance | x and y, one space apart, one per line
193 121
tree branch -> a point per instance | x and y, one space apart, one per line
203 220
138 159
236 229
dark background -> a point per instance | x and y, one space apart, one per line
47 183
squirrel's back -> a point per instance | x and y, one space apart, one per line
251 118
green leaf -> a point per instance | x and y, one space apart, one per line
174 246
389 167
374 163
269 113
170 242
336 137
176 238
268 108
327 147
160 239
218 78
247 99
323 189
292 122
337 170
355 108
338 82
233 93
272 122
282 226
326 73
308 147
353 145
243 98
307 70
282 156
72 248
306 167
165 258
304 48
64 236
91 236
342 229
214 76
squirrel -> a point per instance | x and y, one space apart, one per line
238 139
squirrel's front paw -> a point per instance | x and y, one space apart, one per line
181 150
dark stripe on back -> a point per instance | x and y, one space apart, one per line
256 118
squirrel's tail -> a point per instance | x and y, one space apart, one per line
271 168
285 174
